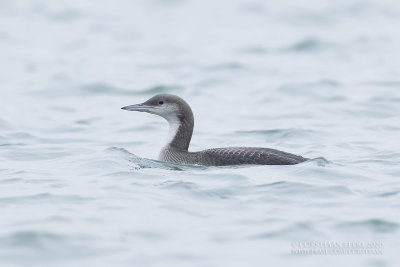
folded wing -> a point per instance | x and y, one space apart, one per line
248 155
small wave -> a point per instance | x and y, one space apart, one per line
308 45
385 99
32 155
10 180
87 121
324 90
65 15
138 163
21 136
196 190
387 194
159 89
287 188
255 50
100 88
43 197
4 125
225 66
11 144
63 109
320 161
299 230
384 83
311 86
146 235
375 225
30 238
30 246
210 82
278 134
103 88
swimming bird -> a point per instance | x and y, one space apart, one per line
181 122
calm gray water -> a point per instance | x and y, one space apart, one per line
78 180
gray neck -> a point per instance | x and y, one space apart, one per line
181 130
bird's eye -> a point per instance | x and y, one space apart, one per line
161 102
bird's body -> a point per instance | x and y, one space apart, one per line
230 156
180 118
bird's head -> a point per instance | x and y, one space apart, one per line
171 107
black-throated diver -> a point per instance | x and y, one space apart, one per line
181 122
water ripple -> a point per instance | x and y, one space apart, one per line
308 45
43 198
374 225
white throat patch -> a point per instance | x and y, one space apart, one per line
174 124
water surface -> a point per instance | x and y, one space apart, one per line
79 183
